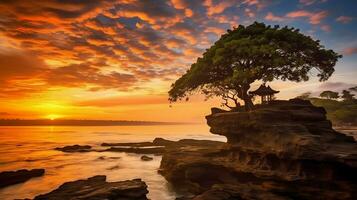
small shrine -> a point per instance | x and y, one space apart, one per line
266 93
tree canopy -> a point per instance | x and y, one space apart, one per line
329 94
347 96
255 52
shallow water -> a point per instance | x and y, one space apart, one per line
32 147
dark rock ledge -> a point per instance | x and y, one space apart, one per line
286 150
158 146
75 148
14 177
96 188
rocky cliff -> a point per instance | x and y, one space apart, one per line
287 149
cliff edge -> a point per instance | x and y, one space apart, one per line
287 149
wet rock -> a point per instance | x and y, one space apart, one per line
239 192
159 146
13 177
97 188
146 158
129 144
162 142
197 143
153 150
115 167
108 158
74 148
288 148
101 158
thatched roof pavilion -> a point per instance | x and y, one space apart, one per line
265 92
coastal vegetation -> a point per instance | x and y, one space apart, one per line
254 53
341 108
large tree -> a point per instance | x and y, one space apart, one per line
256 52
329 94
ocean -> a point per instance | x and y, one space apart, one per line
29 147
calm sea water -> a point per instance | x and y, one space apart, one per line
32 147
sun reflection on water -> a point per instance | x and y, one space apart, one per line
33 147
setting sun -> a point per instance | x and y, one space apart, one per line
52 116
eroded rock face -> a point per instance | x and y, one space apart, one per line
287 149
97 188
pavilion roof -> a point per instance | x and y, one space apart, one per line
264 90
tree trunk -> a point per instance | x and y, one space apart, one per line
248 103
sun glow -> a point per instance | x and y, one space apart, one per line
53 116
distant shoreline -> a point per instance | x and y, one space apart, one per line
67 122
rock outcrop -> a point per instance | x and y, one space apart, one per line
286 149
14 177
146 158
158 146
75 148
97 188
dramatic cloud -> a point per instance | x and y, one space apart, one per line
18 65
83 74
123 101
121 45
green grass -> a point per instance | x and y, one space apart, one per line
339 112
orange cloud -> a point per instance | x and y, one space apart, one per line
310 2
350 50
314 18
271 17
19 65
216 8
123 101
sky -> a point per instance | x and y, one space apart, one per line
116 60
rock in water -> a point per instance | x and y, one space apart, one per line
97 188
146 158
287 148
74 148
14 177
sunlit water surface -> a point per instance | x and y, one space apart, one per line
32 147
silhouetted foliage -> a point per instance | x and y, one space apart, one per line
256 52
329 94
347 96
